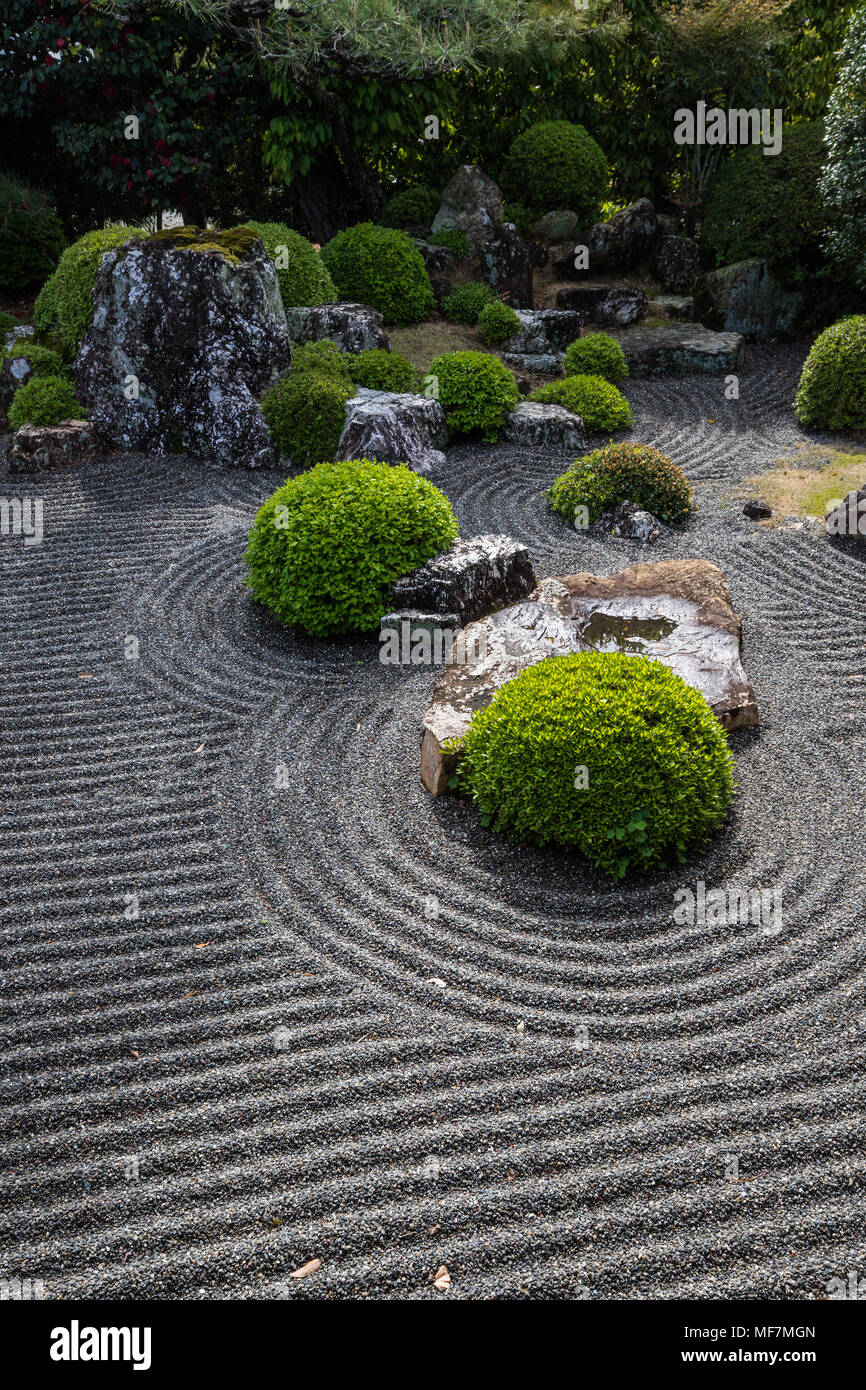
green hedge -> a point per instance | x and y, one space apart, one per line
475 391
596 354
464 305
380 266
304 279
44 400
599 404
65 304
305 413
380 370
619 472
555 164
497 322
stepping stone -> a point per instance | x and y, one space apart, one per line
677 611
618 305
394 427
680 347
552 428
38 447
353 327
544 363
472 577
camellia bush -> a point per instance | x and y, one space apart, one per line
612 755
596 354
832 390
304 280
555 164
380 266
619 472
599 404
475 391
44 400
325 548
64 306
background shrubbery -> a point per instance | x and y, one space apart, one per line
380 266
556 164
832 390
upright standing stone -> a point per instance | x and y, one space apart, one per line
473 203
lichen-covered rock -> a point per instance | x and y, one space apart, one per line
16 335
676 306
757 509
627 521
550 428
434 257
544 331
188 330
38 447
353 327
747 298
506 266
609 305
680 347
677 263
14 372
472 577
394 427
556 226
472 202
625 241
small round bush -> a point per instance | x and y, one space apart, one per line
598 354
619 472
413 207
497 322
454 239
600 405
380 266
325 548
31 235
465 304
380 370
832 390
72 295
43 360
475 391
658 772
44 400
305 413
303 278
555 164
322 355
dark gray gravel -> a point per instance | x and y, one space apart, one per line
264 1040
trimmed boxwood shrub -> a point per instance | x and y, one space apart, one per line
322 355
31 235
599 404
67 307
454 239
380 370
475 391
44 400
497 322
522 218
617 472
380 266
555 164
325 547
305 413
832 390
597 354
465 304
413 207
43 360
659 774
304 280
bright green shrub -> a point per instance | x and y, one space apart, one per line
43 360
768 208
832 390
597 354
380 266
455 239
44 400
463 305
71 296
325 547
322 355
304 280
305 413
475 391
31 236
619 472
600 405
413 207
497 322
45 308
658 773
555 164
380 370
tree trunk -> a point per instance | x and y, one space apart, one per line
323 199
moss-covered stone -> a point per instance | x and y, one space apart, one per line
235 243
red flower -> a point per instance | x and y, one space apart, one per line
149 174
49 61
61 43
109 89
129 187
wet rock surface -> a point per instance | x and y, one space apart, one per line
606 305
685 347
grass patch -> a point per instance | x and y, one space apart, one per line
424 341
802 483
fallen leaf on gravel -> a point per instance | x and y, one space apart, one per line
521 1027
200 944
434 980
85 675
442 1281
433 1230
134 1053
309 1268
200 748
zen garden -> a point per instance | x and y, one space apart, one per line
433 575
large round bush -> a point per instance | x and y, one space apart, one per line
44 400
67 308
599 404
325 547
636 472
614 755
31 236
380 266
305 413
596 354
303 278
832 390
475 390
555 164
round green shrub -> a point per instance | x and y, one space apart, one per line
31 236
322 355
463 305
619 472
305 413
597 354
475 391
380 266
769 208
380 370
72 295
8 322
497 322
44 400
43 360
454 239
304 280
555 164
832 390
599 404
658 772
413 207
326 546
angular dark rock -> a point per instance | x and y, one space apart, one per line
353 327
628 521
394 428
609 305
747 298
625 241
545 330
472 577
677 263
38 447
434 257
506 266
757 509
556 226
551 428
680 347
14 372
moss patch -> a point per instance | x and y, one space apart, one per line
803 482
235 244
